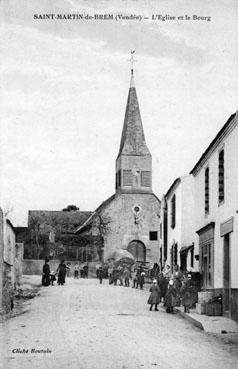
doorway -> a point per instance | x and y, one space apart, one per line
137 249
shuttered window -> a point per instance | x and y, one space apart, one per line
207 191
127 178
145 179
173 211
221 191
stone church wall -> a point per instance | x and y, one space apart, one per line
125 226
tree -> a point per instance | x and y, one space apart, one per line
34 225
71 208
102 223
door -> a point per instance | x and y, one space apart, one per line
206 265
137 249
183 260
226 276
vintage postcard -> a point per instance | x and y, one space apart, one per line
118 184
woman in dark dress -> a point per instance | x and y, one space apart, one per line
61 270
154 298
163 285
46 273
170 298
188 294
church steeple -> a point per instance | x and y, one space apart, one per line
133 138
133 164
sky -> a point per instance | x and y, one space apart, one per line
64 86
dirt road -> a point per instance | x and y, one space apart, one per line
85 325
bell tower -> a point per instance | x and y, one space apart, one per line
134 161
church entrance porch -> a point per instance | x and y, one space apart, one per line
138 250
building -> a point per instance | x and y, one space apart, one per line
50 231
11 254
178 224
1 261
130 217
9 240
216 222
163 233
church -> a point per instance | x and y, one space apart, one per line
131 216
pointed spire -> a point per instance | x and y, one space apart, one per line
133 139
132 83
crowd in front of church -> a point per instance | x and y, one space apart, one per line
172 288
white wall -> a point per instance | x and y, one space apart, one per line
220 213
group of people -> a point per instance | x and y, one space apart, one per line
80 269
173 289
123 273
49 277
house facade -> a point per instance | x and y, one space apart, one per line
216 221
179 232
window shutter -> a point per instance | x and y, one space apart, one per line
127 178
145 179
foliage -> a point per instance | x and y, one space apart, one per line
71 208
101 222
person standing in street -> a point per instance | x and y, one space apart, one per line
46 273
163 285
177 278
110 274
170 298
76 271
187 294
154 298
140 279
126 275
52 277
100 274
134 277
97 269
85 271
61 270
167 272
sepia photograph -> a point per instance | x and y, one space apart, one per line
119 184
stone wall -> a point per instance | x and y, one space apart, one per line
124 228
19 249
34 267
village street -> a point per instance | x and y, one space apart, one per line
90 326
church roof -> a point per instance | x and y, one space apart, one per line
133 138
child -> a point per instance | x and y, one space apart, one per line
154 298
76 271
52 277
100 274
170 298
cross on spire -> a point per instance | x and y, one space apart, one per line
132 61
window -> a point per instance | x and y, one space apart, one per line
145 179
192 257
173 211
127 178
118 179
207 191
153 236
221 177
